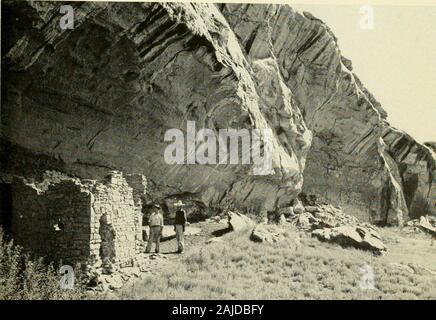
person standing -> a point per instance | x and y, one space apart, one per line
156 224
179 228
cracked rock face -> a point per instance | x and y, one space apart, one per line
102 95
357 160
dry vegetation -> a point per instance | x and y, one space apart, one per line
240 269
22 277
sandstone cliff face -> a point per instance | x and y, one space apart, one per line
357 160
102 95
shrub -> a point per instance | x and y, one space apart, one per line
24 278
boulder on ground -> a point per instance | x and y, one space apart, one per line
352 236
424 223
286 211
239 221
112 282
298 207
271 233
303 221
330 223
131 271
322 216
312 209
267 233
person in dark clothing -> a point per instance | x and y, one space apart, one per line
179 228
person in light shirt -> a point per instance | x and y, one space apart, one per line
156 224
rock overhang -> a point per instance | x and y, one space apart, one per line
100 97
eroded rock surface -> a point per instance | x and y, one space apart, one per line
357 160
272 233
331 224
238 221
424 223
102 95
356 236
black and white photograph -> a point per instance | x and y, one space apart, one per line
192 151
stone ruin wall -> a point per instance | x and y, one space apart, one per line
53 223
96 223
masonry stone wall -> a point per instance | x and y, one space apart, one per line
96 223
138 183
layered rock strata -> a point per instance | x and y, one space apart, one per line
102 95
357 160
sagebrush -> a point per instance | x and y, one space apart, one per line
23 277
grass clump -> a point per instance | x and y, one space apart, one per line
238 268
24 278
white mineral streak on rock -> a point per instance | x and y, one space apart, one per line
149 67
357 160
101 97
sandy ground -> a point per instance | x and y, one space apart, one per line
406 247
403 248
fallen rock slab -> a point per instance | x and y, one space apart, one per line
330 223
298 207
267 233
303 221
312 209
272 233
238 221
131 271
352 236
322 216
425 224
112 282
